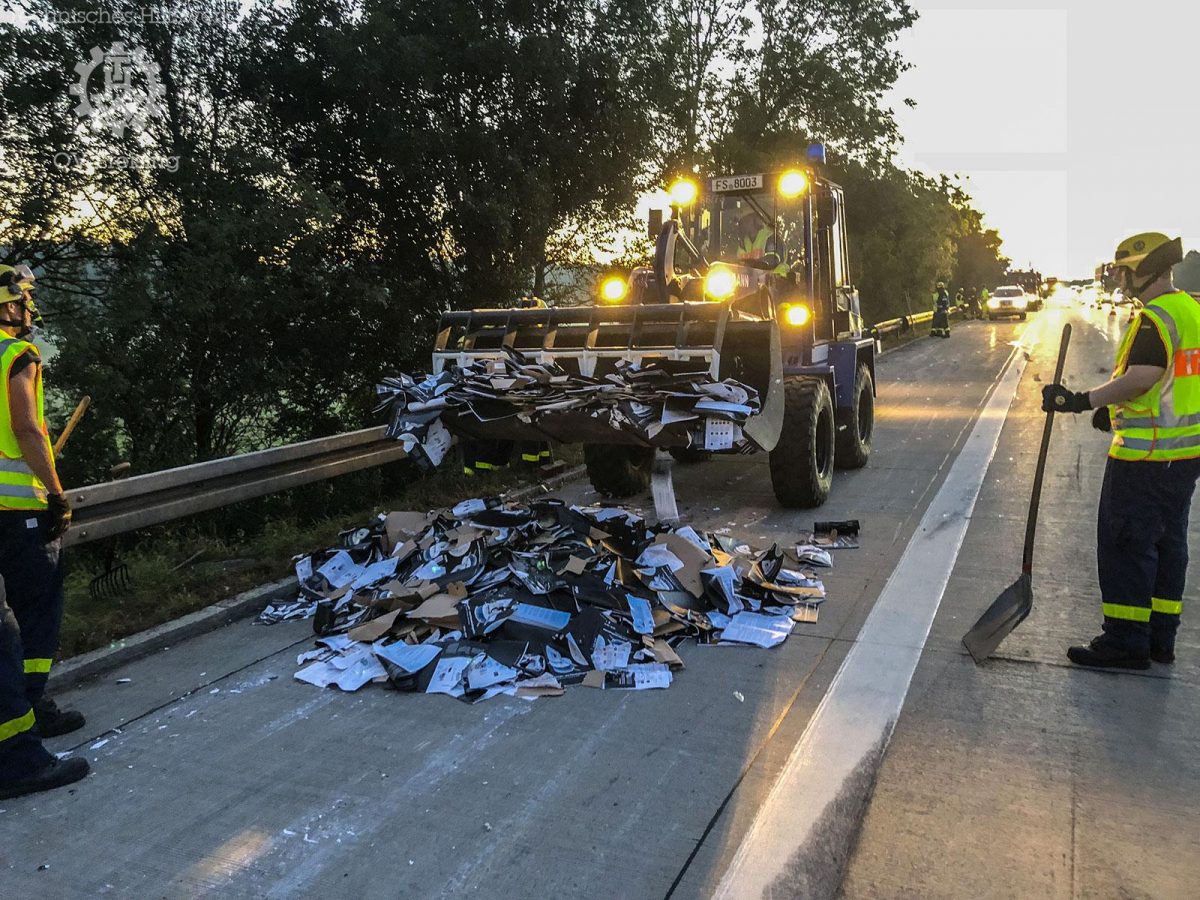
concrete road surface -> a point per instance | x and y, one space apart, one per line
216 774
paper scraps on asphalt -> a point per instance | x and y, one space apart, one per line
668 403
492 598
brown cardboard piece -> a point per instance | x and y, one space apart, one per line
375 629
594 679
574 565
665 653
438 608
399 526
693 558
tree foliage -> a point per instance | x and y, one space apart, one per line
344 170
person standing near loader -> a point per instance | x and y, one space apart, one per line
34 514
1152 407
941 312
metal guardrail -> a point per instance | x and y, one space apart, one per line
906 323
115 507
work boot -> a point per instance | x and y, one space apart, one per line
1101 654
1161 653
56 773
52 721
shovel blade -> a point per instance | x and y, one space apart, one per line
1006 613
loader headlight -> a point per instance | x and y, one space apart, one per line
683 192
993 303
796 314
613 289
792 183
720 283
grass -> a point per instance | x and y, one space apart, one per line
166 582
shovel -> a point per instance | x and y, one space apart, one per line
1011 607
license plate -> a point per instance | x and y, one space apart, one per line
737 183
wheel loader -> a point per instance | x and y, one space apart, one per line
750 279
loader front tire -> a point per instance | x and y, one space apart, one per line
618 470
856 424
802 461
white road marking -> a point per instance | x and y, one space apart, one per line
857 715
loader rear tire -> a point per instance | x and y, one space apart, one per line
618 470
802 461
856 424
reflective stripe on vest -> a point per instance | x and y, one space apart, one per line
19 487
757 248
1163 423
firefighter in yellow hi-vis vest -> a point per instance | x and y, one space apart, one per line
34 514
1152 407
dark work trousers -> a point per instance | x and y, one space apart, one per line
31 604
941 323
1142 552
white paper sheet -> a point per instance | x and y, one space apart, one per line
323 674
656 556
340 569
608 656
726 580
647 676
643 617
757 629
375 572
540 616
304 569
409 657
447 677
485 672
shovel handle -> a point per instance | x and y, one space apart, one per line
72 422
1040 471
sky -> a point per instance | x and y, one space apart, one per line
1074 122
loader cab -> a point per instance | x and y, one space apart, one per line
785 233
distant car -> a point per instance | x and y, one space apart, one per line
1009 300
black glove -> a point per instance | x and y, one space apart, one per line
1056 398
60 515
1101 420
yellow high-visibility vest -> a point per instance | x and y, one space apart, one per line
1163 424
19 487
756 248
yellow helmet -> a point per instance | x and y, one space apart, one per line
1149 254
16 280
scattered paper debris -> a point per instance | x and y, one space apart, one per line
668 403
492 598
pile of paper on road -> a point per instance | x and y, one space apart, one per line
660 399
492 598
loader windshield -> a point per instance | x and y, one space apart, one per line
747 228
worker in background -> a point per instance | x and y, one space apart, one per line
1152 407
532 453
34 515
485 456
974 305
941 312
494 455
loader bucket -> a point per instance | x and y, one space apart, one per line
591 340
